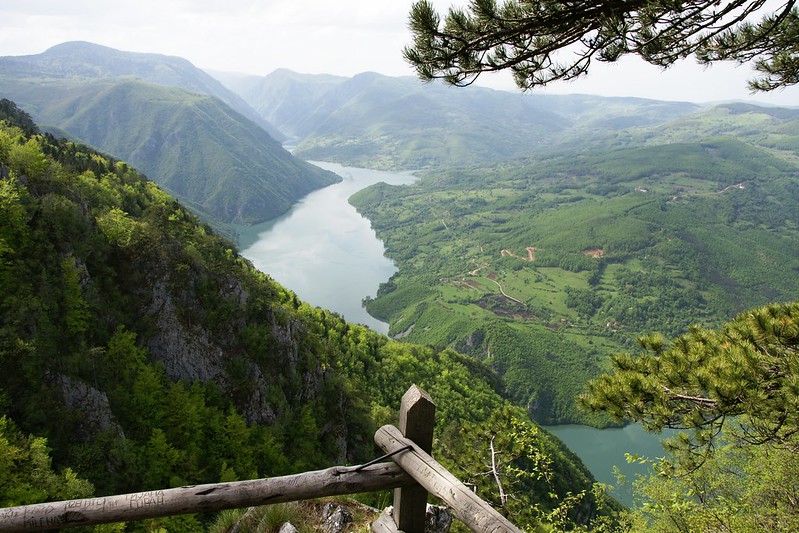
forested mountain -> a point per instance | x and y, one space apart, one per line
543 267
150 354
378 121
138 107
85 60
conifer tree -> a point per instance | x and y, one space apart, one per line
550 40
742 380
735 393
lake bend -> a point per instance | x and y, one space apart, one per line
323 250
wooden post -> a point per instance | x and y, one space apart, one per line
335 481
466 505
416 421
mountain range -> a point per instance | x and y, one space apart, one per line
171 120
229 169
141 352
82 60
219 152
544 233
377 121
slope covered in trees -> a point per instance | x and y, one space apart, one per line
149 354
164 116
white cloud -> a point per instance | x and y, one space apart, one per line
312 36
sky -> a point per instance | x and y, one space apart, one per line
342 37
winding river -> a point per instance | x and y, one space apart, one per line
330 256
324 250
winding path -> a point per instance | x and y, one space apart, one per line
504 293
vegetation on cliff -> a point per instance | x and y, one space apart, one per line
149 354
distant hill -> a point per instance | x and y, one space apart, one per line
378 121
139 108
296 101
771 128
85 60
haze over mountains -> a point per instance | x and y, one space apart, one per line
378 121
217 148
220 155
82 60
169 119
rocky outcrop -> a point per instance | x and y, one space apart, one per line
186 351
335 518
190 351
288 527
438 519
91 403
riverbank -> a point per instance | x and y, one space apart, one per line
323 250
604 452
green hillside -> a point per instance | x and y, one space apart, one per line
377 121
770 128
164 116
88 61
149 354
542 268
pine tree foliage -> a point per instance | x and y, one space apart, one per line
737 489
735 392
545 41
742 379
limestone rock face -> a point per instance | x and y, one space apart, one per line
438 519
335 518
93 403
190 352
287 527
185 350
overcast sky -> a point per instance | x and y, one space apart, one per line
343 37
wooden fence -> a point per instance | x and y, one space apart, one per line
412 474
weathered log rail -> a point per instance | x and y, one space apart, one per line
335 481
413 473
465 504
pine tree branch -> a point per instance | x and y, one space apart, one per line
707 403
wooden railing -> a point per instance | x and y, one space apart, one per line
413 473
